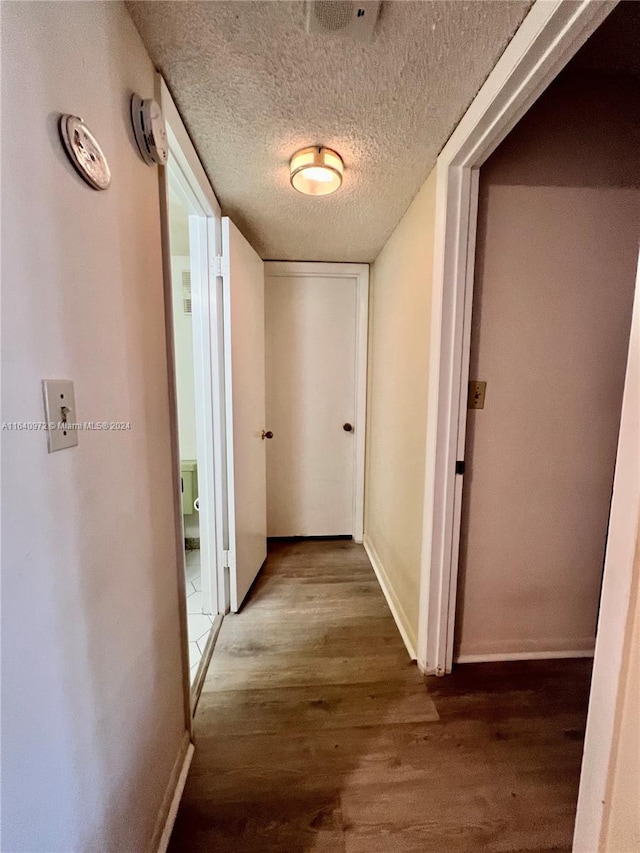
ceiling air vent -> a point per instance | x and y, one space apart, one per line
342 17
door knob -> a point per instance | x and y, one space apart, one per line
266 434
347 427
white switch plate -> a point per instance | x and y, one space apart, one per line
59 406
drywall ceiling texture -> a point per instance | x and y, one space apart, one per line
253 88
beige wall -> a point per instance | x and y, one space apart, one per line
397 404
622 813
92 714
557 247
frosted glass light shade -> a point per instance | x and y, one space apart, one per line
316 171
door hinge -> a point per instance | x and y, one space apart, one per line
225 554
217 265
460 466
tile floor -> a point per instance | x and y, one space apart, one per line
198 624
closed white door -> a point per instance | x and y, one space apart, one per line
312 400
243 282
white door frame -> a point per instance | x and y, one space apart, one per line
550 35
304 269
187 176
615 609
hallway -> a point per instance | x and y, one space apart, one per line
314 731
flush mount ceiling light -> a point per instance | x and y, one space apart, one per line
316 170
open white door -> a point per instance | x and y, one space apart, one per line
243 287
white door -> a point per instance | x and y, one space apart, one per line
312 398
243 282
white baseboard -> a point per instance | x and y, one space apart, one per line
173 795
397 611
554 655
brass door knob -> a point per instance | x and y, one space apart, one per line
266 434
347 427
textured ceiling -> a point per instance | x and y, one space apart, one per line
253 87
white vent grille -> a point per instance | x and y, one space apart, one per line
186 291
332 14
350 18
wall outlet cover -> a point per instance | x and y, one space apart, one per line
477 392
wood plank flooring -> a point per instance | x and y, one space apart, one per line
315 732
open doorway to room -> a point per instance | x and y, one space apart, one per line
199 616
195 343
558 224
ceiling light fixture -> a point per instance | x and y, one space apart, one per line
316 170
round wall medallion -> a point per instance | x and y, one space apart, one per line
84 152
150 130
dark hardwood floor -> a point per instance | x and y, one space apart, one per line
315 732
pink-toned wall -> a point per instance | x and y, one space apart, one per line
93 717
557 247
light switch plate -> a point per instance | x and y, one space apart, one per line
477 391
59 409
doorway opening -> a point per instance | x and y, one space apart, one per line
195 351
558 221
197 560
525 71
